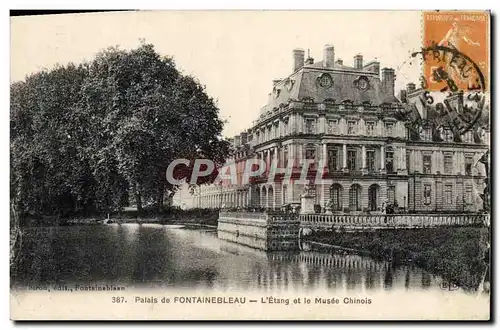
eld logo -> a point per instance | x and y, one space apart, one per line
450 286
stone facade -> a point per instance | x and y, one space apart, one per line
348 118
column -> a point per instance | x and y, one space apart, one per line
403 158
344 156
268 160
382 157
291 123
300 121
275 161
363 157
325 154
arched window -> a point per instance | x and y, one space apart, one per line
270 198
336 197
263 197
373 197
284 196
355 197
256 199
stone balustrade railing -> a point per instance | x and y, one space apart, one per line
393 220
243 215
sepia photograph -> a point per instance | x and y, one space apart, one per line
250 165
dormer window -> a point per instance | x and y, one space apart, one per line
311 126
389 129
325 80
332 126
447 135
426 134
362 83
370 127
351 127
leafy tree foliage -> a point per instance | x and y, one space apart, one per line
89 137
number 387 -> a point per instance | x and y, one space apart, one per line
118 300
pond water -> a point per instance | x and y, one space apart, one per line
159 256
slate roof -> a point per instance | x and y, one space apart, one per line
306 85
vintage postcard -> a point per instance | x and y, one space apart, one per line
250 165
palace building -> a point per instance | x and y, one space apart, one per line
379 149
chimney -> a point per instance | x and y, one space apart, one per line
373 66
402 96
410 88
244 137
339 61
388 80
328 56
298 59
358 61
237 141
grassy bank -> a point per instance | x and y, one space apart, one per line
456 253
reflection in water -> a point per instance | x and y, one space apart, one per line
159 256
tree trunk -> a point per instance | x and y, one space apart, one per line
159 198
16 235
138 198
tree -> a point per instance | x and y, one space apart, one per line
83 137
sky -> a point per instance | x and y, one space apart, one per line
235 54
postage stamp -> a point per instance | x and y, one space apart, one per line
181 165
458 48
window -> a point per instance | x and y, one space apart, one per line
336 197
332 160
468 194
391 194
448 197
427 164
389 128
332 126
351 127
285 127
427 194
310 153
257 137
426 134
448 135
310 126
285 156
351 160
389 161
354 194
448 164
468 165
269 133
468 137
370 127
370 160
